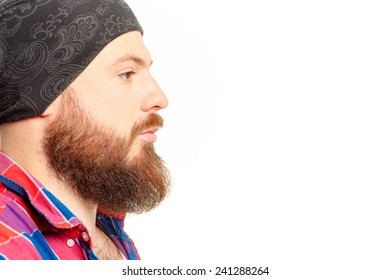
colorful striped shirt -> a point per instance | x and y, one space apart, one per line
35 225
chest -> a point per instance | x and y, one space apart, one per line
104 248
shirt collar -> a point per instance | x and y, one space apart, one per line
47 205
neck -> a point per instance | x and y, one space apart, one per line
22 141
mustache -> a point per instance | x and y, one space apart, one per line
152 120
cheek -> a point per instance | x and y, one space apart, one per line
122 112
111 103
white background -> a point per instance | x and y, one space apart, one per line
277 136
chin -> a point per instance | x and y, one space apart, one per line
138 149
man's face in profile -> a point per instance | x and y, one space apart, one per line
100 141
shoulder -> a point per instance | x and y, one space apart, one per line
18 231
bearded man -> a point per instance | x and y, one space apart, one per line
78 115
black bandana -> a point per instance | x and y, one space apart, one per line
46 44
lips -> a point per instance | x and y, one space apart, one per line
149 135
145 128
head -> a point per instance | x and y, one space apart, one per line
100 108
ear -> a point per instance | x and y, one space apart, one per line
52 109
48 112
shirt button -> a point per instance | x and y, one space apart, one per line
70 242
85 236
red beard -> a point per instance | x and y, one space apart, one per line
94 161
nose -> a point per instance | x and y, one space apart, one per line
154 99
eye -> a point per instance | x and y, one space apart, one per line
126 76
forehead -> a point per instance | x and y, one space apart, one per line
129 46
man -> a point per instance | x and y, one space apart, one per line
78 115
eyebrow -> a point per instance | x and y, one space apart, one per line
126 58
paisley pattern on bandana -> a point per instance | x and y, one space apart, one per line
46 44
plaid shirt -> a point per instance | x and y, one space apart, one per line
36 225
